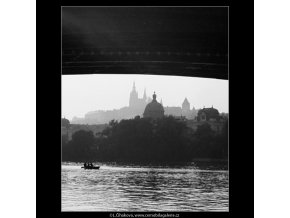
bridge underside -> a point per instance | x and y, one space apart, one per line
169 41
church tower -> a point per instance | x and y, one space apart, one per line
185 105
133 101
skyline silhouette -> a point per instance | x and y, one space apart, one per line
85 93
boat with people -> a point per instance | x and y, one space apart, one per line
90 166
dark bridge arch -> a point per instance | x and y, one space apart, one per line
166 41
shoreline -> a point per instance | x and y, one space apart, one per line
217 160
210 160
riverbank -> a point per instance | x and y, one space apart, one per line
210 160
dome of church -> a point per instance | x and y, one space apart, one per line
154 109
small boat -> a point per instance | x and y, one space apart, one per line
91 167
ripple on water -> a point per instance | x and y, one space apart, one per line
154 188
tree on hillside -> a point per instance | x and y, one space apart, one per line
65 123
80 147
141 139
204 139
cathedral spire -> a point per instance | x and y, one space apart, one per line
133 96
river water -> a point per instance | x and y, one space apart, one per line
122 187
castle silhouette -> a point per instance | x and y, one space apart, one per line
136 108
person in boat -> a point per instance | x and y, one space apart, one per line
85 164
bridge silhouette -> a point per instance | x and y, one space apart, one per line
136 40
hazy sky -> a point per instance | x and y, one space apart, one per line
84 93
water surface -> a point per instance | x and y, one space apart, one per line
123 187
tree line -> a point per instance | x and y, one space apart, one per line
147 140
